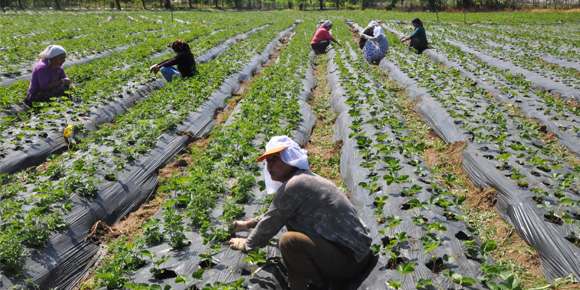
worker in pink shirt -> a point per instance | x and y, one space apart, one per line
322 38
48 77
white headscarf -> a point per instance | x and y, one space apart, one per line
51 51
326 23
373 23
378 31
292 155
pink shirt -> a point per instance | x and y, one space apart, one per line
321 34
42 75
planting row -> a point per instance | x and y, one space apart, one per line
115 69
182 247
29 138
541 39
419 233
110 174
82 34
526 57
555 114
457 109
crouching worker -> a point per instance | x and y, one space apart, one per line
326 240
48 77
375 47
183 59
418 39
322 38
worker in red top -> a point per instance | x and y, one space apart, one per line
322 38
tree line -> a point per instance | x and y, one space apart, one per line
432 5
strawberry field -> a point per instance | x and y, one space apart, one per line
140 195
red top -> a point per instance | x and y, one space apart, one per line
321 34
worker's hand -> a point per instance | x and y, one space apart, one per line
238 244
66 82
239 226
154 69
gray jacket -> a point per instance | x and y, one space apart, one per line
312 205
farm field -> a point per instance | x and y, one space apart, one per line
463 161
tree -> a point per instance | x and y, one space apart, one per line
367 4
321 4
167 4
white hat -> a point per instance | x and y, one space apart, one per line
290 153
51 51
373 23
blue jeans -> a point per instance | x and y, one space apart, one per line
168 72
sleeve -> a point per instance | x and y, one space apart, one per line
170 61
415 33
374 39
43 77
281 210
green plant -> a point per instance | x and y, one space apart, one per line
255 257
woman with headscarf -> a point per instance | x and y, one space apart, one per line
369 30
183 59
326 240
376 46
48 77
322 38
418 39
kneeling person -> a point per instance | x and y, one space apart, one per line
326 240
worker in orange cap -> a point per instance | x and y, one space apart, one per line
326 240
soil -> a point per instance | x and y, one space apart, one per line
480 201
130 227
321 146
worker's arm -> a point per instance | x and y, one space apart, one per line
334 40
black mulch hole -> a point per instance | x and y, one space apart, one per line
559 194
535 173
553 219
463 236
489 157
574 240
207 264
406 206
392 264
537 199
246 272
450 216
386 240
439 265
165 274
544 169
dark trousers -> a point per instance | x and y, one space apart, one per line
419 45
320 47
315 260
45 96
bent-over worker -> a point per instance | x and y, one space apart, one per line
183 59
418 39
326 240
48 77
376 46
322 38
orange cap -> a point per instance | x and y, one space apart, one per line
270 152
